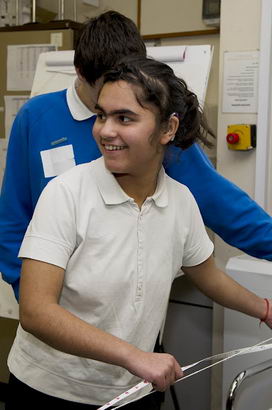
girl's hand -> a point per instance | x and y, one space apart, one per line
160 369
268 320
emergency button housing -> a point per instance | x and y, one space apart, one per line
241 137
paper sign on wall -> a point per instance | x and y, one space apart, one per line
240 82
21 64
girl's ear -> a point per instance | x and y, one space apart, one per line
169 134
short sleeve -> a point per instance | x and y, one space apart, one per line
51 234
198 246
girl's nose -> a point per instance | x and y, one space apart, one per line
108 129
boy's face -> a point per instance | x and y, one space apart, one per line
87 93
127 133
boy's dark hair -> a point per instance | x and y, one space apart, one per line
156 83
103 41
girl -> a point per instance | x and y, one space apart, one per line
104 246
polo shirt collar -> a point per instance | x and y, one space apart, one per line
113 194
160 196
78 109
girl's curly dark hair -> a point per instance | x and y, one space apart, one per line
157 84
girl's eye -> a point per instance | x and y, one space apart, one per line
123 118
101 116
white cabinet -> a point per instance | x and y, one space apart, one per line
188 336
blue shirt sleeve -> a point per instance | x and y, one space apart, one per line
15 203
225 208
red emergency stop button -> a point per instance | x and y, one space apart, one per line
233 138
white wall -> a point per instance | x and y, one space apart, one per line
239 31
171 16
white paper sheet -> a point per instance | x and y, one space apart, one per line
240 82
3 154
60 62
167 53
57 160
12 105
55 70
21 64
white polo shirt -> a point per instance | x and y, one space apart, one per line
78 109
120 263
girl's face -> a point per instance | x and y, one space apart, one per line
127 133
